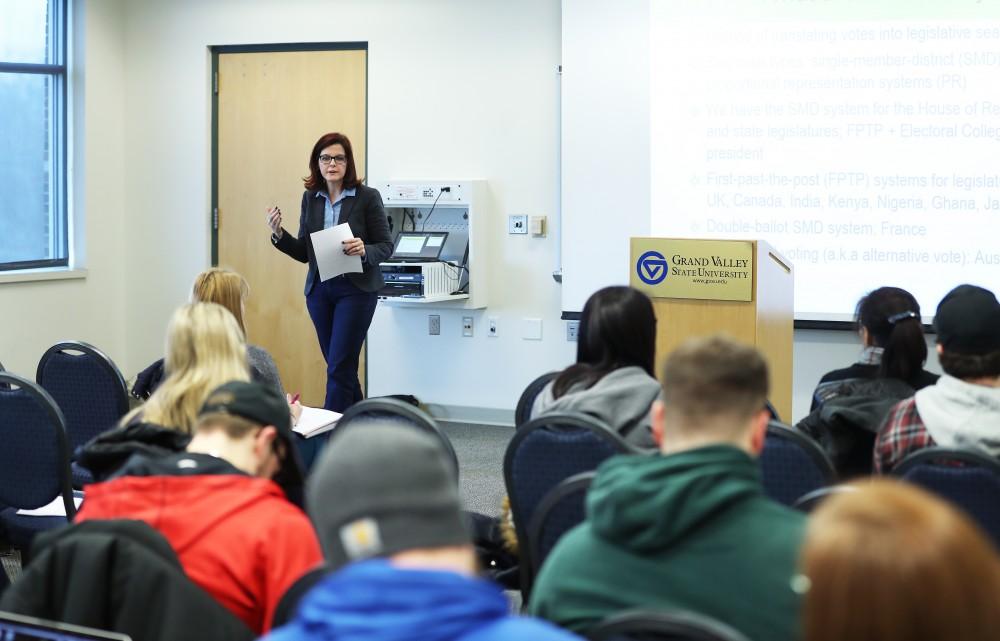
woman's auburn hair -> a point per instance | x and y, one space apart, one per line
315 181
890 562
205 348
223 287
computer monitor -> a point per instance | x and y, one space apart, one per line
418 246
16 627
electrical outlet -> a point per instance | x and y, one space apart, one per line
572 331
517 224
434 324
467 326
492 331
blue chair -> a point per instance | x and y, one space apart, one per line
969 479
395 411
543 453
792 464
522 413
559 511
809 502
88 388
34 460
646 625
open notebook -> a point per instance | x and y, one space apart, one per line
55 508
315 420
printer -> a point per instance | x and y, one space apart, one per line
419 280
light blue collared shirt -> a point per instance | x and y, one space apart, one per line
331 211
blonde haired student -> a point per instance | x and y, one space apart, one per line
231 290
204 349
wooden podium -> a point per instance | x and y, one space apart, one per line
740 288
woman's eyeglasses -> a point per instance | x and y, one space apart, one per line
326 160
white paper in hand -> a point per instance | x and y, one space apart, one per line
328 246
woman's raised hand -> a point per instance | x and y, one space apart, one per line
274 220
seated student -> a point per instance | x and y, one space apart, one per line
394 534
889 562
613 377
963 408
849 404
229 289
689 529
888 320
233 529
205 349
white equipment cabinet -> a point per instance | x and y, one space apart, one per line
458 207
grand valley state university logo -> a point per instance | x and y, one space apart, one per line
652 268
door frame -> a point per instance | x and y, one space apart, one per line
213 85
213 88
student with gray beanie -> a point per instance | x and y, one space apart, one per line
384 500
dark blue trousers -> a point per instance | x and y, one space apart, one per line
341 314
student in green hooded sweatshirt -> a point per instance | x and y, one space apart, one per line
690 529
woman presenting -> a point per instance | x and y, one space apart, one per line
341 308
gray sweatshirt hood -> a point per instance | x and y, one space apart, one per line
621 399
960 414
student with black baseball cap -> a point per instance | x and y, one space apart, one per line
963 408
222 504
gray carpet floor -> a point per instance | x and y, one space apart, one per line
480 450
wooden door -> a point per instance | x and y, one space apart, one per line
272 107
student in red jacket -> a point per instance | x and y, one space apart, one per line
234 530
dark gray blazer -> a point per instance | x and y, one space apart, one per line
366 216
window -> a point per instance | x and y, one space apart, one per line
33 134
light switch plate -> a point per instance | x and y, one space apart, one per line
531 329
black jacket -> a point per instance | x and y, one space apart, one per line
366 216
828 385
846 424
121 576
106 454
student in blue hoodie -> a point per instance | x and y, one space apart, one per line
384 499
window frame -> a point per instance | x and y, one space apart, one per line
57 70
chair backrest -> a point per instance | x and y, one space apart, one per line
969 479
772 411
559 511
122 576
544 452
641 625
522 413
3 385
34 459
809 502
395 411
792 464
87 387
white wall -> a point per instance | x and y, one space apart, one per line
457 89
143 189
37 314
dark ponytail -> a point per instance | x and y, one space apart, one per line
617 329
892 317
